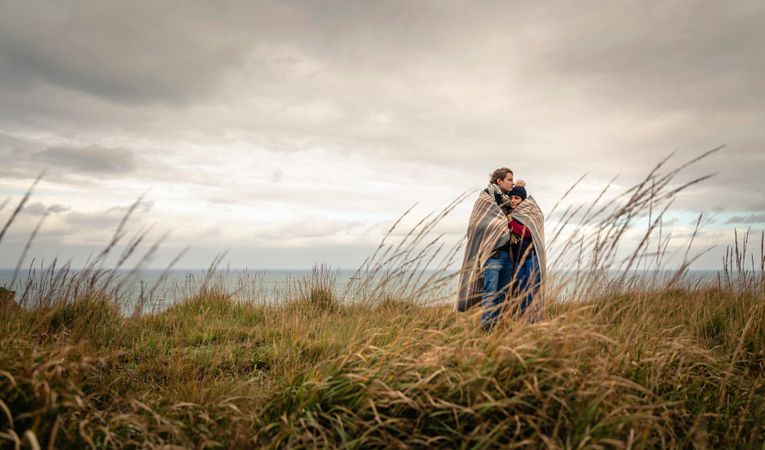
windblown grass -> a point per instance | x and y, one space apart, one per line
628 364
674 368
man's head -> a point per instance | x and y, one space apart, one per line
517 194
502 177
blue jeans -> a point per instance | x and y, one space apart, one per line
528 281
497 275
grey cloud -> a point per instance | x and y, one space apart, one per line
148 52
321 75
147 206
670 222
14 157
92 221
91 159
38 209
144 206
105 220
125 52
688 54
75 166
751 218
429 91
57 208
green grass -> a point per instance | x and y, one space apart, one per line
646 369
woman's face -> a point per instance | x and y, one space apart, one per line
515 201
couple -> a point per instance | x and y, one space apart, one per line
505 257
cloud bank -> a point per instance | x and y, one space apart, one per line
312 126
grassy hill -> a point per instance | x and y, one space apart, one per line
653 368
621 363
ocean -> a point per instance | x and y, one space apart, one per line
168 287
163 289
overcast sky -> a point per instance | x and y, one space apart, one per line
292 132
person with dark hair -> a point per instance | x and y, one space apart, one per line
527 250
487 268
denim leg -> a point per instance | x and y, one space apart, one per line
490 297
526 285
506 275
497 274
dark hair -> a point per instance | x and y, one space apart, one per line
499 174
519 189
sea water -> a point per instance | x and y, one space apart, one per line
162 288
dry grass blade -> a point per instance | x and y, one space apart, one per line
20 206
565 194
24 252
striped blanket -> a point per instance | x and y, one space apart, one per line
529 214
487 230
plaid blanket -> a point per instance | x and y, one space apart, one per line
487 230
529 214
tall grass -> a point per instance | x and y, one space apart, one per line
624 362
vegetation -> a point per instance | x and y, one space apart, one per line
669 368
621 363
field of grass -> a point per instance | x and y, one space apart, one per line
622 363
646 369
